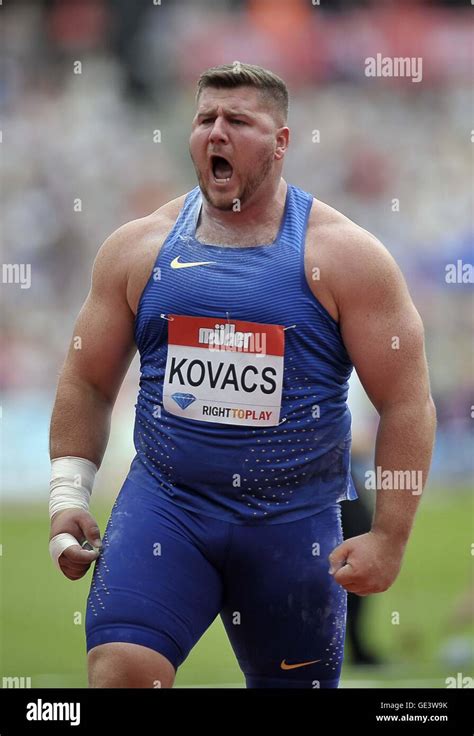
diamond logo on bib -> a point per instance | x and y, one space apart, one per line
230 372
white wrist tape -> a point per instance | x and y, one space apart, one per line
70 486
71 483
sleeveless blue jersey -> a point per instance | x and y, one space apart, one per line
239 436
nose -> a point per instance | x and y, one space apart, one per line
218 132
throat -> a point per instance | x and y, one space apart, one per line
235 238
260 225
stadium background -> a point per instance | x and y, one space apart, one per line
81 155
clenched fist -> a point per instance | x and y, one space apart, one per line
366 564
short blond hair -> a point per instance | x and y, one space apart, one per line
239 74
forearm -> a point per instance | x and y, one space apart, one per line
80 423
403 453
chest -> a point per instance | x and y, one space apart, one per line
232 271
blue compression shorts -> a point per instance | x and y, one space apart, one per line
165 573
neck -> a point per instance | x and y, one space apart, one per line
260 215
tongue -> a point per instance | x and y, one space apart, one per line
222 169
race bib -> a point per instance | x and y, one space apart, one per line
230 372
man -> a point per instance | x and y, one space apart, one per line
249 302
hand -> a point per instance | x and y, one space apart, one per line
75 561
366 564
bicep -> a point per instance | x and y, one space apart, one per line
102 344
383 334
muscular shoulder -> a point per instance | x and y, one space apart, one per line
126 257
130 239
348 260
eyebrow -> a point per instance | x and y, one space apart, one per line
230 112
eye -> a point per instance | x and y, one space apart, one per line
238 122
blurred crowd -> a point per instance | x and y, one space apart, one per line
87 85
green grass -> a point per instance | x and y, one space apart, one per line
42 629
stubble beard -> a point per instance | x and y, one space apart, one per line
253 182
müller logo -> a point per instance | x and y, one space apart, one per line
226 337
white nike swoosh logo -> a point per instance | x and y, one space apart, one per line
176 263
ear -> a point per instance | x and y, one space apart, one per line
282 142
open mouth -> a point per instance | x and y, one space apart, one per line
222 170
